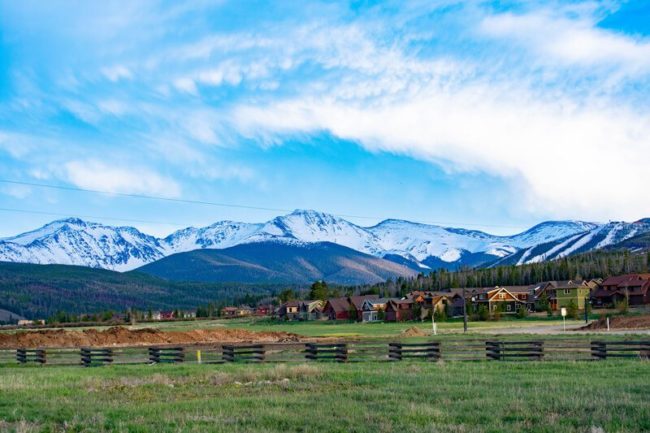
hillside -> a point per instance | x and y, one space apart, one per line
275 262
38 291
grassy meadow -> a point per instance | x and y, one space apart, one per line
345 329
375 397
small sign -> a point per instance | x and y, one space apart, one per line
563 312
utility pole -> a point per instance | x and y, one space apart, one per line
464 311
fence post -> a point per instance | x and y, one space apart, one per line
599 350
395 351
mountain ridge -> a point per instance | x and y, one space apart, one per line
415 245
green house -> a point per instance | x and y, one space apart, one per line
568 291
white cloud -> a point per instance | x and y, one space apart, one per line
575 161
97 175
554 38
117 73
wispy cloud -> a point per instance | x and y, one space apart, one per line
96 175
538 96
550 37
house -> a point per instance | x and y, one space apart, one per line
163 315
263 310
374 310
290 310
631 287
567 292
522 293
338 309
399 310
311 310
357 303
301 310
25 322
540 291
498 298
231 312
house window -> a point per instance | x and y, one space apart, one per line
502 295
567 291
508 307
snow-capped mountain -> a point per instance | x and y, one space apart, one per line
76 242
419 246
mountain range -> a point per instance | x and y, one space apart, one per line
304 239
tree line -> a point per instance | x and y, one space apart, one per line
597 264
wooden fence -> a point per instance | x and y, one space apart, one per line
323 352
509 350
93 357
250 353
429 351
620 349
23 356
358 351
158 355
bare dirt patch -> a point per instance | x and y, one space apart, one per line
620 322
122 336
414 332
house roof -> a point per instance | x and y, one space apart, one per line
357 301
339 304
293 304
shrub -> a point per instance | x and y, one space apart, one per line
622 306
572 310
522 312
483 313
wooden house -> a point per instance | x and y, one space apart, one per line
311 310
337 309
498 297
635 288
399 310
290 310
567 292
374 310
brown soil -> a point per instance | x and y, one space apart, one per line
121 336
414 332
621 322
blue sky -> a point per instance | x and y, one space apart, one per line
492 115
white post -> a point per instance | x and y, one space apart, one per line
608 324
563 311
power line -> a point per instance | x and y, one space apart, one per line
210 203
28 211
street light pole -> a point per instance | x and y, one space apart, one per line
464 312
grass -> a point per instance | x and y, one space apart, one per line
366 397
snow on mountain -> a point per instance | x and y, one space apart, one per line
549 231
73 241
311 226
223 234
421 240
76 242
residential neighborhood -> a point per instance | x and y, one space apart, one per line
548 296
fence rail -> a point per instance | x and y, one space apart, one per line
320 352
620 349
429 351
159 355
251 353
508 350
358 351
92 356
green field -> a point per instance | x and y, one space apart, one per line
365 397
354 329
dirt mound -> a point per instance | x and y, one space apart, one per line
122 336
620 322
414 332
